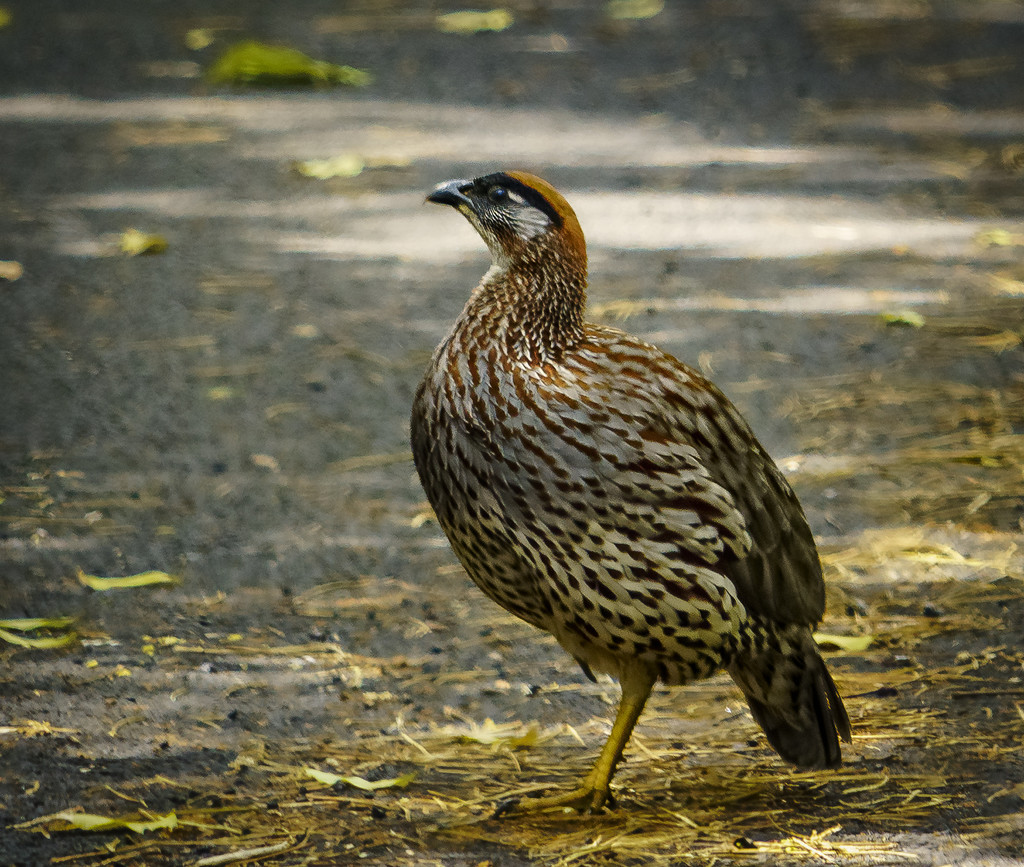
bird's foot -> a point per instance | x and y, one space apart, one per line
584 799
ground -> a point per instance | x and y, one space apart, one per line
818 203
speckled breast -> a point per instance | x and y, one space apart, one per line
555 527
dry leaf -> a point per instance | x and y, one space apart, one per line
89 822
849 643
257 63
11 629
1006 285
47 643
903 319
28 624
341 166
10 270
199 38
329 779
998 238
266 462
474 21
135 243
142 579
623 10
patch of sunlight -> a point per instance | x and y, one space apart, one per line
302 128
401 226
937 121
725 226
837 300
361 225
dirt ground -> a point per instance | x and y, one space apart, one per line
820 203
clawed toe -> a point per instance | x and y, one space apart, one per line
585 799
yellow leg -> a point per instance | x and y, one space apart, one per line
594 792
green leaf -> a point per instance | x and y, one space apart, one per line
48 643
341 166
634 9
220 392
329 779
474 21
93 822
28 624
498 735
136 243
903 319
998 238
257 63
849 643
199 38
142 579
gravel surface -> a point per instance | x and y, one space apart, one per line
821 204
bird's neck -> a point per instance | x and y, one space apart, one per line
535 309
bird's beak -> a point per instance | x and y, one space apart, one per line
451 193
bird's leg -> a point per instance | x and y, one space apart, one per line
594 792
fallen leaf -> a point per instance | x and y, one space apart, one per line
358 782
136 243
265 462
257 63
499 735
474 21
45 643
93 822
903 319
30 728
849 643
28 624
142 579
1006 285
10 270
11 628
998 343
341 166
624 10
199 38
998 238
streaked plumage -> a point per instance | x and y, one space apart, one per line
601 490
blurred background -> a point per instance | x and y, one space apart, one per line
219 286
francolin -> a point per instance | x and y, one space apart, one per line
599 489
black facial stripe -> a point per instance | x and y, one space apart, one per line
482 185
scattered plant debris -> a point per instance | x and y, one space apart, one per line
256 63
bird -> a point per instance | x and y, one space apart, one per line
600 489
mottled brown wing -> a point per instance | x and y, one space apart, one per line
779 577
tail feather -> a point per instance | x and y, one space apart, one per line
794 699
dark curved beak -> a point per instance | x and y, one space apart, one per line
451 193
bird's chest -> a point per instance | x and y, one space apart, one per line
466 437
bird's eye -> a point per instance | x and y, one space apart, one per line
498 195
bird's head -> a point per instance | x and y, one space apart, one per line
522 219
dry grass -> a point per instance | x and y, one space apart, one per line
698 787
